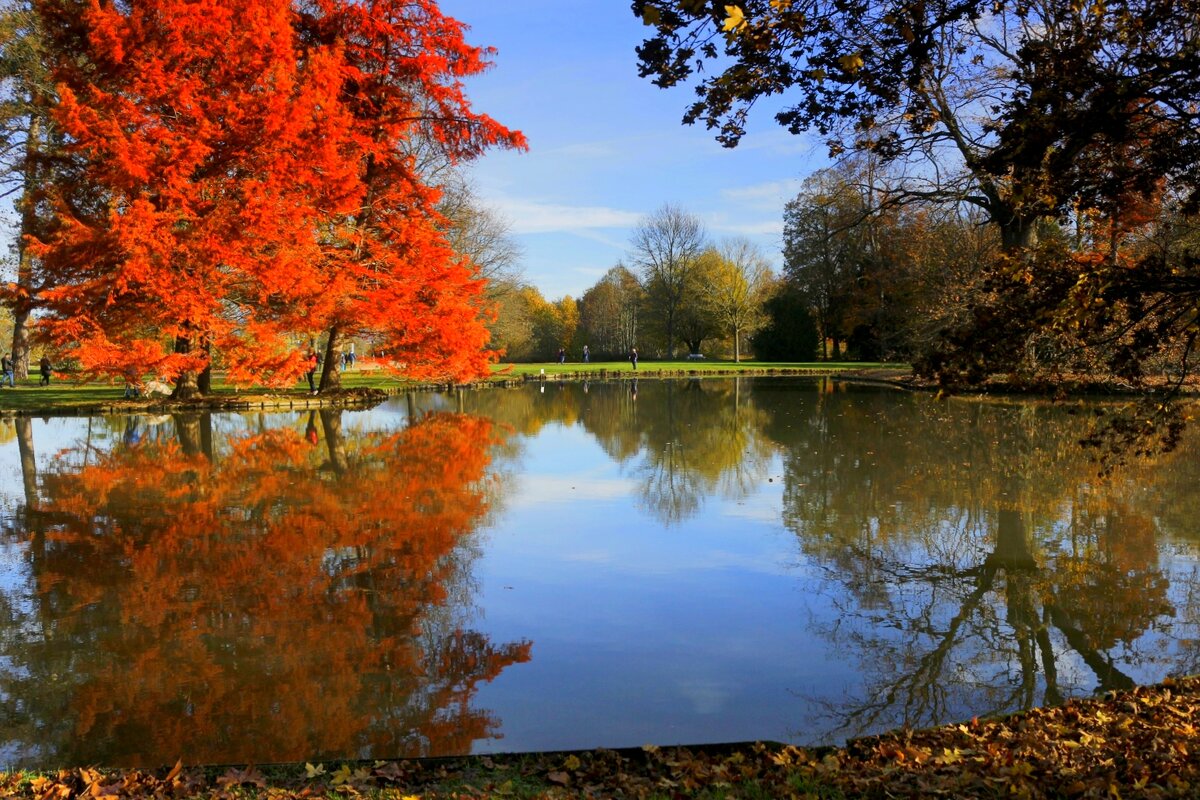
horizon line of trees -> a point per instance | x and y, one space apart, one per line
679 291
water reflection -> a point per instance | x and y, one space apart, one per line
704 560
309 594
977 562
683 442
971 559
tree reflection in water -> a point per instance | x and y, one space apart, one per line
683 441
284 599
310 587
975 560
977 563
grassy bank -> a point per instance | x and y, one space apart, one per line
1139 743
65 395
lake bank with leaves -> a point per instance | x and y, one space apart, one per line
1133 743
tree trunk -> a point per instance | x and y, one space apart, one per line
737 350
670 335
204 379
187 385
20 338
331 375
1017 233
23 303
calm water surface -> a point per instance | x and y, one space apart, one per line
573 566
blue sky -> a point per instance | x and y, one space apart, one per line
607 147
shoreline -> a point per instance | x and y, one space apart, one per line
368 396
1133 743
357 397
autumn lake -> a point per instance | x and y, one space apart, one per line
574 565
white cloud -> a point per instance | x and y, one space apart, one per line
531 216
596 273
766 196
773 227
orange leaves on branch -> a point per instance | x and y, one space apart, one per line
246 177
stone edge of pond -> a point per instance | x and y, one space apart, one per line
250 401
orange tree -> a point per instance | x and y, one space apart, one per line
251 186
397 278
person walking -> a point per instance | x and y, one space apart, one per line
562 355
633 357
587 356
6 367
44 367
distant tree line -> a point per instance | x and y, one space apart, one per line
679 293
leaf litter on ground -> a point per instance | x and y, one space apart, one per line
1141 743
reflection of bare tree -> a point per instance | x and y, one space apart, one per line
669 486
683 440
700 438
970 555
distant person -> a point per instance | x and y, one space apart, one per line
6 367
350 356
562 355
44 366
314 361
633 357
133 381
587 356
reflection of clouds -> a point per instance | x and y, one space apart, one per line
537 490
705 696
754 512
589 556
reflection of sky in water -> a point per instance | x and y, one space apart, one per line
643 634
722 623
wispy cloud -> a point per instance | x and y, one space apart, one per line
771 195
531 216
771 227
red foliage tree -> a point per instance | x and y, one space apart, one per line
398 277
251 182
211 146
